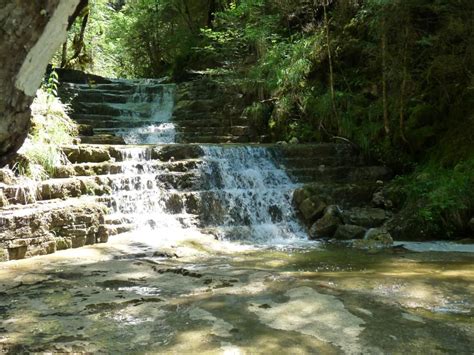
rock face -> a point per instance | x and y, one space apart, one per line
31 31
208 112
337 177
44 228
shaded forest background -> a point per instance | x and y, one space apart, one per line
392 77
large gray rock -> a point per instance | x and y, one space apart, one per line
300 195
375 239
326 226
349 231
311 209
365 216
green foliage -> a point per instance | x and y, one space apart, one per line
51 84
51 129
446 195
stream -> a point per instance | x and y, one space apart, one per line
239 277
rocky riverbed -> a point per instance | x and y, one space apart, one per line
144 292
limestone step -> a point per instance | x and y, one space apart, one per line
102 87
64 188
100 97
42 228
95 96
102 139
203 131
116 110
116 229
105 121
345 195
197 138
111 168
318 161
340 174
116 153
309 150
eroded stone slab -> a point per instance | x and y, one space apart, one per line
311 313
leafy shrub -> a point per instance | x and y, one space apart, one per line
444 197
51 128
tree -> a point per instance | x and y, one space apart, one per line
31 31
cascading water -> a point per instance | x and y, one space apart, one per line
236 192
152 102
250 196
141 194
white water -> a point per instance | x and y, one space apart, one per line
153 102
253 195
140 197
242 196
239 193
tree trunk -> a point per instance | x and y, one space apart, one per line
403 86
386 120
331 69
31 31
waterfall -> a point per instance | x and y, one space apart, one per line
142 197
153 103
234 192
250 196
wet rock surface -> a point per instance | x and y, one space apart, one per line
375 239
217 297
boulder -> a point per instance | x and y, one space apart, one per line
299 195
349 231
326 226
294 140
365 216
375 239
311 209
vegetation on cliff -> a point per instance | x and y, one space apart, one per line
51 128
